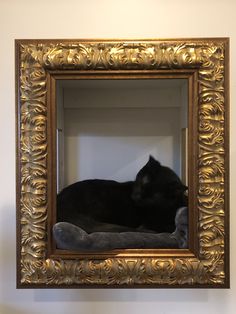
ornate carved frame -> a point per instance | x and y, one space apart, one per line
205 62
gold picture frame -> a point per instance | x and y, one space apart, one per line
205 63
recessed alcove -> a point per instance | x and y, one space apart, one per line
107 128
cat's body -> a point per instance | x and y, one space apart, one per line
98 205
148 203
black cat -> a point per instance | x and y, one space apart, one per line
147 204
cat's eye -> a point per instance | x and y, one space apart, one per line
146 180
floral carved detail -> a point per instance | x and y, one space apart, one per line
36 58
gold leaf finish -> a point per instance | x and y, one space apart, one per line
35 60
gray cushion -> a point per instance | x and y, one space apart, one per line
71 237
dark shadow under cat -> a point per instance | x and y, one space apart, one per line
147 205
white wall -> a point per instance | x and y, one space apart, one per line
103 19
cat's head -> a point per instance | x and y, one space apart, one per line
156 184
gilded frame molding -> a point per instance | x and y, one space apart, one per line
206 63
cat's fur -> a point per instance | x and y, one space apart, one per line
148 203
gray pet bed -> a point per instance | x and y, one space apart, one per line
70 237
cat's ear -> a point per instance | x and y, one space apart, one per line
152 160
